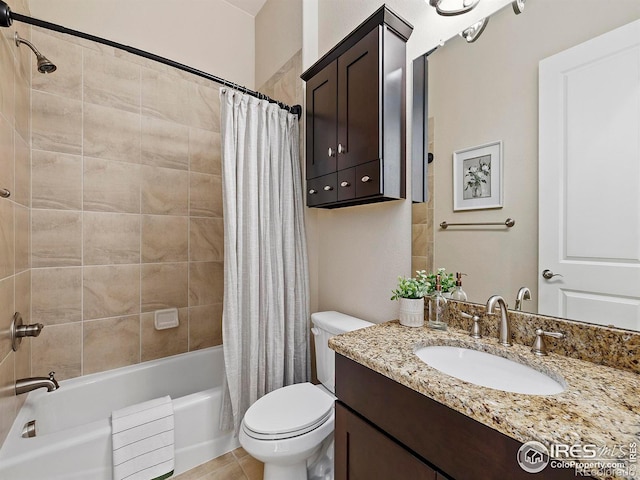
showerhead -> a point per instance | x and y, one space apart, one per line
44 64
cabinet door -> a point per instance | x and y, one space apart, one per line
359 102
322 118
362 452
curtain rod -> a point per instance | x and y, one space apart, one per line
7 17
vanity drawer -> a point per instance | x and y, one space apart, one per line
368 179
322 190
347 184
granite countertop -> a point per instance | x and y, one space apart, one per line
601 405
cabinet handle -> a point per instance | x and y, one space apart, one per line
341 148
313 191
366 179
328 188
345 184
331 153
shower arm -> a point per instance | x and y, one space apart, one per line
7 17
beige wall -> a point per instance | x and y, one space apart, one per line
213 36
15 268
488 91
127 209
278 37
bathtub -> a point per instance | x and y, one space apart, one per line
73 423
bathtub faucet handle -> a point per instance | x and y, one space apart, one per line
53 379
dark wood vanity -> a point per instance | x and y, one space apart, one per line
385 430
355 116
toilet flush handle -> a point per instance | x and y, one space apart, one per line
315 331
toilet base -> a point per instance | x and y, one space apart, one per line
296 471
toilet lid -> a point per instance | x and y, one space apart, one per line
288 411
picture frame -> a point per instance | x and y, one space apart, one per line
477 177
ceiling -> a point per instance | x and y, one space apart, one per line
252 7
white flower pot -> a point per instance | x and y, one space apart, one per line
411 312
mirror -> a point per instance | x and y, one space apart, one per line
485 92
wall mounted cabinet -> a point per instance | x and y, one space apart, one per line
355 114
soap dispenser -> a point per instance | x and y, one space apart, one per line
437 308
458 293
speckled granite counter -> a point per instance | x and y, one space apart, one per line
600 406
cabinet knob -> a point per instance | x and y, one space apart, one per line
313 191
341 148
331 152
366 179
345 184
328 188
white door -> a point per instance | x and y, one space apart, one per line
589 180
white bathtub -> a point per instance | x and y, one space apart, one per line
73 424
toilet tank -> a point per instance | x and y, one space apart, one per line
325 326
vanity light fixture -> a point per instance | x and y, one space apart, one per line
467 6
472 33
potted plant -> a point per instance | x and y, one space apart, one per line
446 280
410 294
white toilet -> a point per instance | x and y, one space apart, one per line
287 427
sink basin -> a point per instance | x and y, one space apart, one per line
487 370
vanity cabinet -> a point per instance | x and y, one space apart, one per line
355 116
385 430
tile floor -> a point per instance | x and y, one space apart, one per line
235 465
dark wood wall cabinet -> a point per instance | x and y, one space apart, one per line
355 116
385 430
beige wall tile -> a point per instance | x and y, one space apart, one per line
110 238
22 238
67 80
8 400
163 343
166 96
23 362
206 237
7 238
204 151
164 238
58 349
23 112
419 240
56 238
111 186
164 285
7 72
205 283
22 188
164 144
111 134
205 195
7 170
165 191
56 123
57 180
110 291
56 295
110 343
23 295
7 309
111 81
205 108
419 213
205 326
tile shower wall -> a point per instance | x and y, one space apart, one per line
126 209
15 273
422 222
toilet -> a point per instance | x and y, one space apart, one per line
288 428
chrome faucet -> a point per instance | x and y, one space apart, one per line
505 326
24 385
523 294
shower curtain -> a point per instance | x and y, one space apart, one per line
266 288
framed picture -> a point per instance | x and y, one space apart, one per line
477 177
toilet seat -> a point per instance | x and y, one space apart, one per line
288 412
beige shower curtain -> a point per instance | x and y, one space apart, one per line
266 288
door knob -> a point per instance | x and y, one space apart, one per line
548 274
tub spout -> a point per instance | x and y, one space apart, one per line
24 385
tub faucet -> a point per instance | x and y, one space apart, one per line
505 326
523 294
24 385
